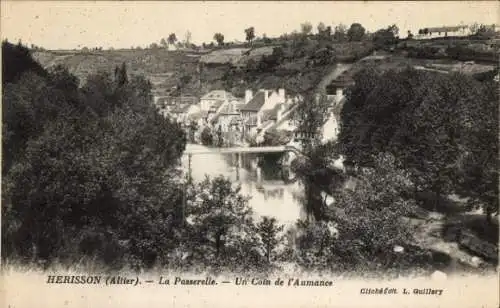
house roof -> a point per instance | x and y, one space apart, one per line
217 104
239 106
271 114
287 115
255 103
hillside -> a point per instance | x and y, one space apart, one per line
164 68
295 65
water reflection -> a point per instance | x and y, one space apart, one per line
261 177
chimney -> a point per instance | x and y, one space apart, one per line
266 95
281 94
248 96
259 119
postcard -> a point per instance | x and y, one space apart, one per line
250 154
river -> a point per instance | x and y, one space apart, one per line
270 193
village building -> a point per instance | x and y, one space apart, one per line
181 113
435 32
214 99
260 107
228 116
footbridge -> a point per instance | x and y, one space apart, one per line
238 151
242 150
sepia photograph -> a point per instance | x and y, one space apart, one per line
250 154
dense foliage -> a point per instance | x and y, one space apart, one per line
443 128
86 171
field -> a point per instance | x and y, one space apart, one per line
396 61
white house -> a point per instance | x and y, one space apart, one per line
261 108
434 32
228 115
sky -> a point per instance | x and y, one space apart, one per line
75 24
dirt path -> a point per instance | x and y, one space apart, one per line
335 73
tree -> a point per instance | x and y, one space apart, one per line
153 46
250 34
315 172
269 232
219 38
384 38
222 224
340 33
321 27
220 138
370 218
474 28
206 136
193 128
312 114
163 43
318 176
324 32
265 39
187 38
478 167
485 31
314 243
394 29
268 63
306 28
121 77
21 62
380 107
172 39
356 32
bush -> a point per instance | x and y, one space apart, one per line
206 136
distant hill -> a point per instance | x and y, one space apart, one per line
145 62
297 66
